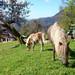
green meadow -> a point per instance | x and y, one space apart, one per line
18 60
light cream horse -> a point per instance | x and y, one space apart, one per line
35 38
58 37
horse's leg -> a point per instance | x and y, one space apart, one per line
41 43
33 45
54 53
42 46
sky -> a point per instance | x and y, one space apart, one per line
43 8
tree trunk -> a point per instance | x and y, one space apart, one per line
14 32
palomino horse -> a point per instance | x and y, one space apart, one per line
58 37
34 38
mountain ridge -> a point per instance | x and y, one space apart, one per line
47 21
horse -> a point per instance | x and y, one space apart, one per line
35 38
58 38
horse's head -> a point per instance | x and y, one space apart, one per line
29 42
64 49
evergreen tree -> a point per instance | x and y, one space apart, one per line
68 16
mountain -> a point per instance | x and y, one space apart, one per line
44 22
47 21
37 24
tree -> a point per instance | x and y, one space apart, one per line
32 26
68 16
15 12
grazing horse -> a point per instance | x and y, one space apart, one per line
35 38
58 37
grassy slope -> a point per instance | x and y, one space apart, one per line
19 61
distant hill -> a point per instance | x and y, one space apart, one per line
44 21
47 21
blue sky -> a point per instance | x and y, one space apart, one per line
43 8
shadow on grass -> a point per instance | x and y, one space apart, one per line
72 58
49 49
72 54
15 46
72 65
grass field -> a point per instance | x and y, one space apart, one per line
19 61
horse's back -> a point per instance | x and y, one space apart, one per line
56 33
52 31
